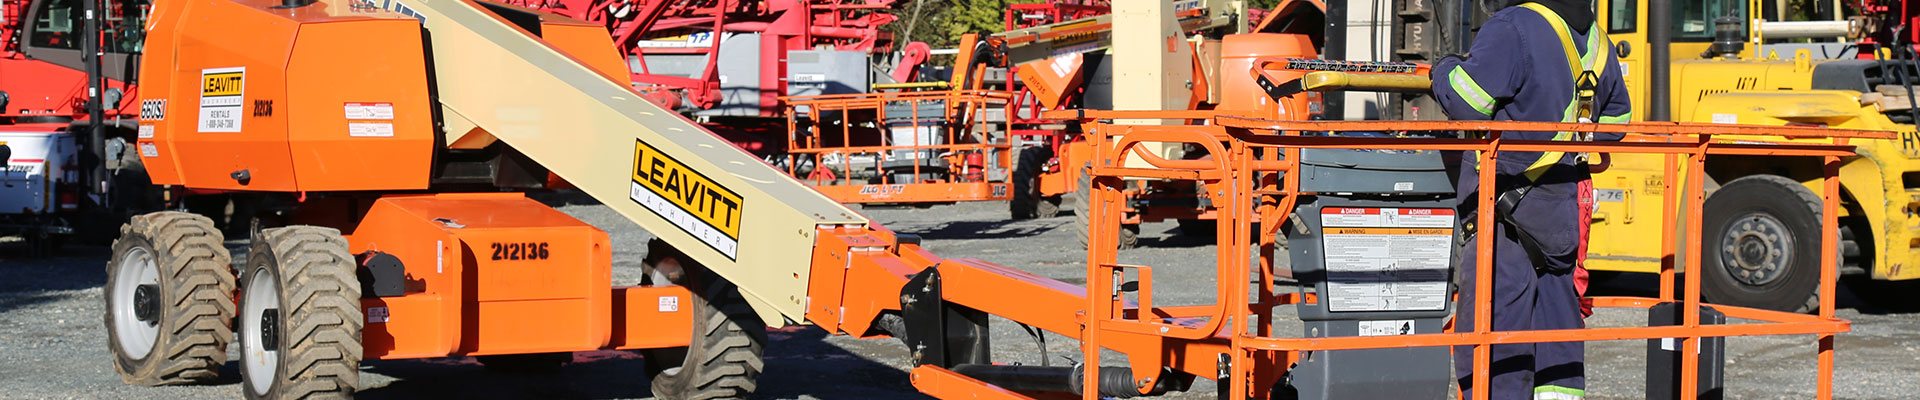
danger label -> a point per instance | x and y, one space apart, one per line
1387 259
686 198
222 91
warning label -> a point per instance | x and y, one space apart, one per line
686 198
382 111
1387 328
1387 259
221 94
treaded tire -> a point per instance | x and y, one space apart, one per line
723 360
1048 207
196 288
1083 214
319 320
1027 202
1759 204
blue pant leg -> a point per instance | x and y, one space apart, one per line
1513 310
1560 367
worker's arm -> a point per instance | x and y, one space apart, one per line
1617 107
1475 87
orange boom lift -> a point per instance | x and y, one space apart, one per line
389 144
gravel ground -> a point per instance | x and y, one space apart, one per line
53 345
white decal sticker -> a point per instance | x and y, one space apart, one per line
222 91
369 110
377 315
369 129
146 131
669 304
148 150
1726 118
1386 328
1387 259
1609 195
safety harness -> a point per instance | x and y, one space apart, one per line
1586 77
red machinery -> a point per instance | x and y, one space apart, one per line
46 190
656 28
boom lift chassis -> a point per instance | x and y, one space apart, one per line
1235 339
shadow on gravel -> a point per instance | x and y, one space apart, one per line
801 362
1172 238
798 362
29 281
985 229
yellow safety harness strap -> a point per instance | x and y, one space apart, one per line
1586 73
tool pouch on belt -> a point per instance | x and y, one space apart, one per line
1512 191
1534 217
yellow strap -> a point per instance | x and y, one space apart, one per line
1560 30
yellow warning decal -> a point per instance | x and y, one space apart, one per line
686 198
222 83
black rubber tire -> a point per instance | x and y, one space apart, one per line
321 320
1083 216
1048 207
1024 202
197 286
1797 210
1027 202
723 360
522 363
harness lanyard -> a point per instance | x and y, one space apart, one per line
1586 77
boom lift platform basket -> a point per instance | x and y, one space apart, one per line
933 146
1117 309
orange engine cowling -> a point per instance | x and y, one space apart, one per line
314 98
1239 92
318 98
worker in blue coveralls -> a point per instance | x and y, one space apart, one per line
1541 61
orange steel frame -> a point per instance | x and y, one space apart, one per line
855 265
969 159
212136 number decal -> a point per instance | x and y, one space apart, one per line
519 251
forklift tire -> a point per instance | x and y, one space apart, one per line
1129 236
522 363
1761 245
169 300
723 360
300 317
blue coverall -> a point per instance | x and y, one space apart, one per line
1518 70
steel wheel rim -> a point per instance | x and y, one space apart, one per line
1756 249
136 337
261 363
